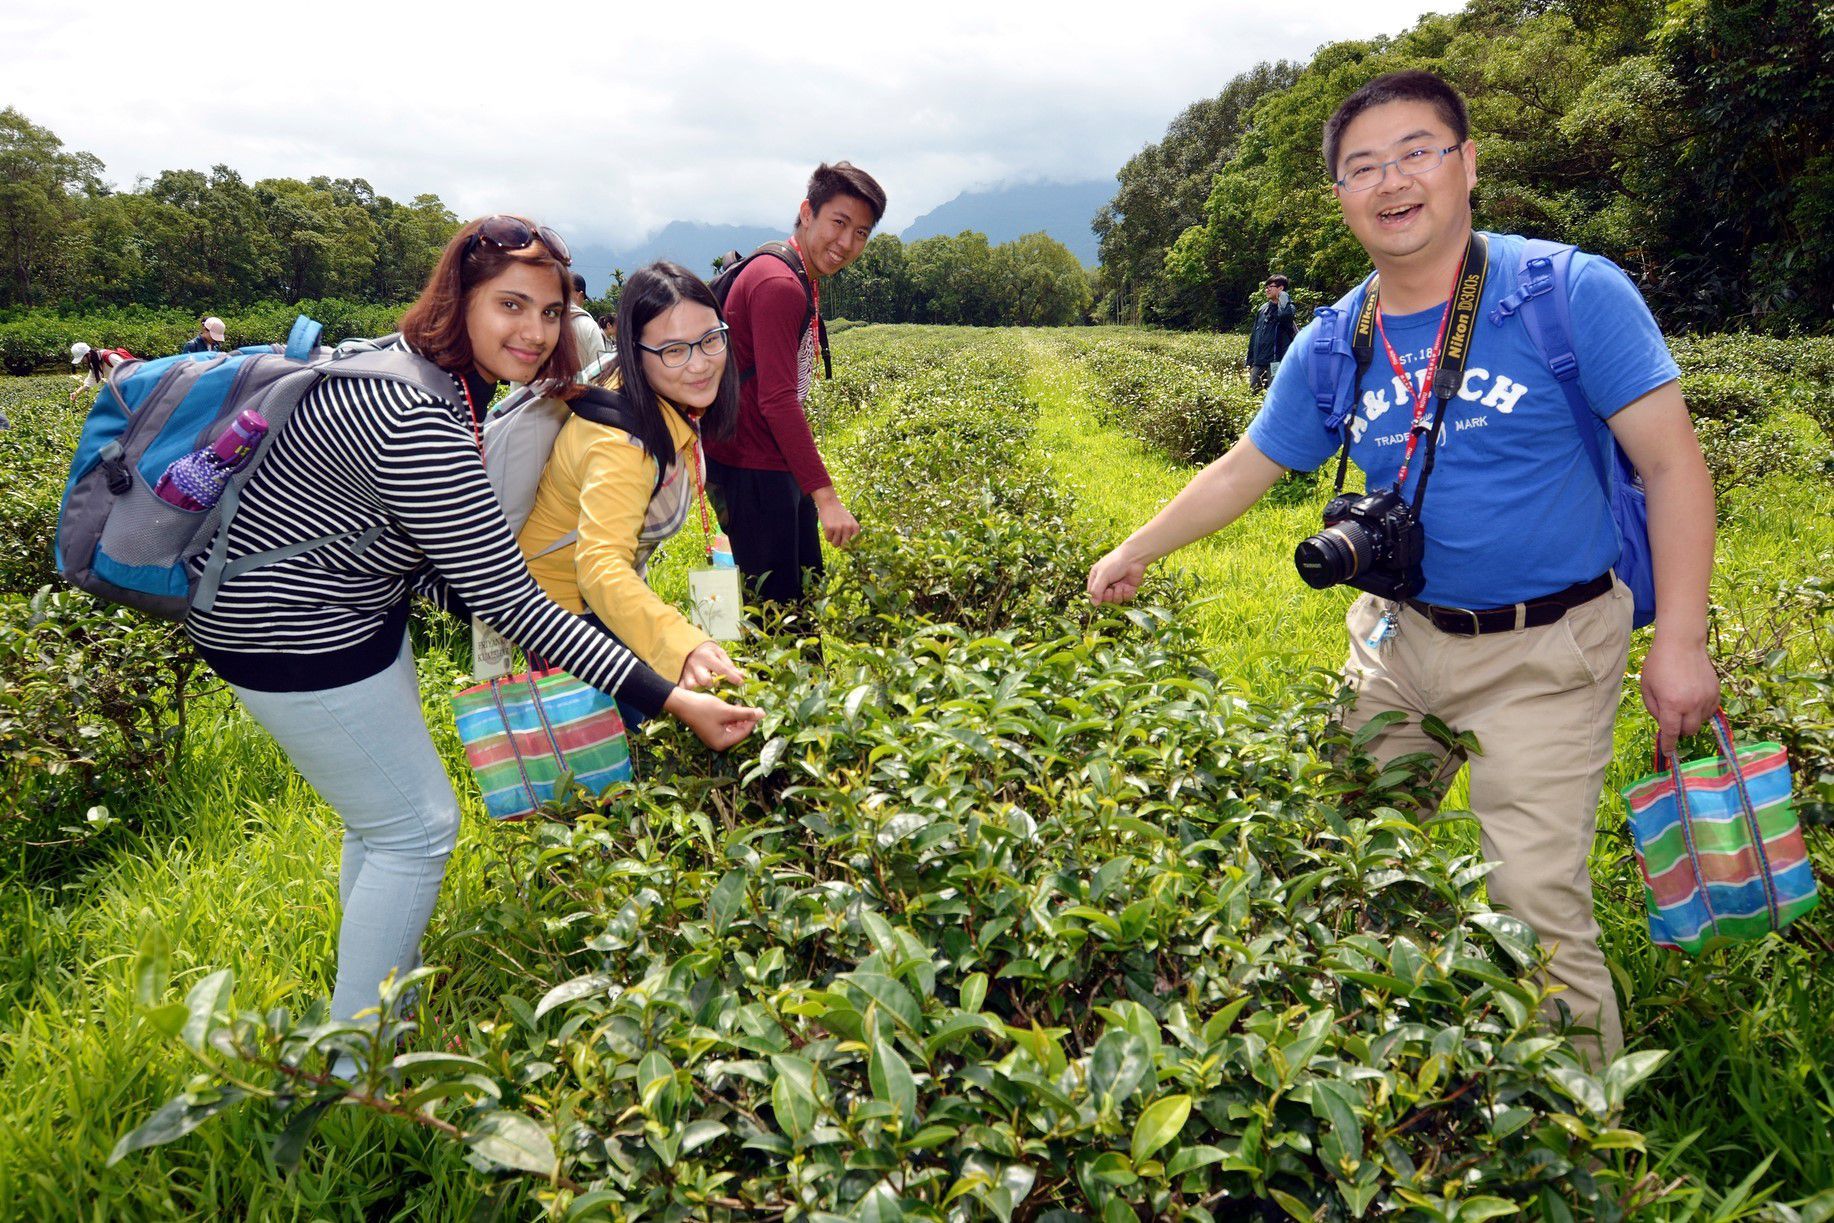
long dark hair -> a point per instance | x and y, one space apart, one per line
650 291
435 323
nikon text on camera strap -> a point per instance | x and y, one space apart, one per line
1445 366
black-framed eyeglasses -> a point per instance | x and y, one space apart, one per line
508 233
679 353
1412 162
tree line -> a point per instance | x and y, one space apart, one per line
1692 142
195 241
1031 281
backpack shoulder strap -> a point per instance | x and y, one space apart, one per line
1542 298
277 406
609 406
779 249
400 365
1336 368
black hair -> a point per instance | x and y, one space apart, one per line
845 178
579 285
1411 86
1276 279
650 291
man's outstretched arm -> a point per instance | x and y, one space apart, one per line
1215 497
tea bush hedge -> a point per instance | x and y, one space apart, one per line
39 341
1000 915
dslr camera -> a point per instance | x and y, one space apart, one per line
1371 541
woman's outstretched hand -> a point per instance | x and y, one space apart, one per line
712 720
705 663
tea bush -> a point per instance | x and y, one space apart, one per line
93 705
34 462
1192 412
40 340
94 699
1008 915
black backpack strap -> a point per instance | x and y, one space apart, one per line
783 250
608 406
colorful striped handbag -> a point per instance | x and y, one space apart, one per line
523 732
1721 851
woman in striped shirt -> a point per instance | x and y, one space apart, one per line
316 645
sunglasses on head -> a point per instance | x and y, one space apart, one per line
508 233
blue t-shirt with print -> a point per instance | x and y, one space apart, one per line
1514 510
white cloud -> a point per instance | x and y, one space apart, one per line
609 120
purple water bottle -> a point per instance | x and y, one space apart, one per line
195 481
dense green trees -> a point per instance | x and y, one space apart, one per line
1689 141
1032 281
195 240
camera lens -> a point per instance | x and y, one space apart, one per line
1334 555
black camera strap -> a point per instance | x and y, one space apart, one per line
1449 370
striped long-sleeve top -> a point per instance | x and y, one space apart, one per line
359 455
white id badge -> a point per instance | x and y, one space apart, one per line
491 652
717 602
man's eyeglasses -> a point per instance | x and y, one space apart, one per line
508 233
1412 162
676 355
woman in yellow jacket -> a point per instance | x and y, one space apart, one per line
625 491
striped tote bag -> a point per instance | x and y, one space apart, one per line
1721 851
524 732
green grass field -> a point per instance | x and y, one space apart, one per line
231 860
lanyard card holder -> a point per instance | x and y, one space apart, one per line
716 598
718 603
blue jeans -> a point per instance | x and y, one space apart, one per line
365 748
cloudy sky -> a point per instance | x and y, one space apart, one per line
607 120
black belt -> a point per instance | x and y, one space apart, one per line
1464 622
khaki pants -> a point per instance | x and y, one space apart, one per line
1542 702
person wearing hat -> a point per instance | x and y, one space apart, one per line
100 363
209 336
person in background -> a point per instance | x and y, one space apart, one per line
588 339
1272 335
209 336
623 492
775 498
97 363
315 646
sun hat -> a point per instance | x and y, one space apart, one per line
214 326
78 351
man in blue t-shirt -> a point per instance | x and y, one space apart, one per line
1516 521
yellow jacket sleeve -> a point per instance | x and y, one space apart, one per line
616 479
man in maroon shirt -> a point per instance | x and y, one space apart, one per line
773 493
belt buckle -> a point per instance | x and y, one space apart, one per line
1477 626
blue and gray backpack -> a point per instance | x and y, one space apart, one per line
117 540
1541 298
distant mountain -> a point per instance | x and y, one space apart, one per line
693 244
1062 210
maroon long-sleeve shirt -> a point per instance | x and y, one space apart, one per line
765 313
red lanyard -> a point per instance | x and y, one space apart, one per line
1420 396
700 493
471 415
814 287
